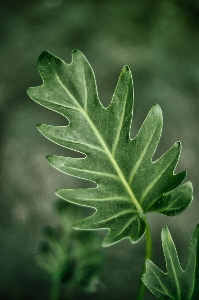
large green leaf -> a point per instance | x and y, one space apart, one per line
128 183
176 284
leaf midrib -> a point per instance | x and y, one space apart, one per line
141 158
113 217
160 282
103 144
151 185
120 125
174 272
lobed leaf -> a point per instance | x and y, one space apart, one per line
176 284
129 184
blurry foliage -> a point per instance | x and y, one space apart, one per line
159 41
70 256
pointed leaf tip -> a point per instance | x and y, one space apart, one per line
76 53
165 230
126 68
106 244
27 90
49 158
57 191
178 144
45 54
156 107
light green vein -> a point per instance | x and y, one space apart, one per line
150 186
164 289
140 158
81 143
94 172
116 216
84 144
173 268
59 104
127 225
116 166
170 205
106 199
120 125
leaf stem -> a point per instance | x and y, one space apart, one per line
148 254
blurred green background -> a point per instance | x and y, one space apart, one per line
159 40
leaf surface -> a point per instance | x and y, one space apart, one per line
176 284
129 184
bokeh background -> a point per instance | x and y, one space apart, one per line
159 40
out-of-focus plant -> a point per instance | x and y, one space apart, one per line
129 183
68 257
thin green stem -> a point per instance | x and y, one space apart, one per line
148 254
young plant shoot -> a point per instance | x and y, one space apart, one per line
69 258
